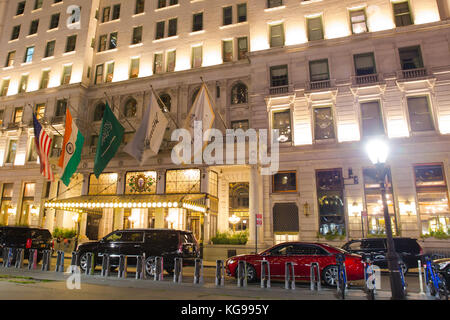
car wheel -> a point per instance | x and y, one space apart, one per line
404 267
329 275
150 266
251 273
83 261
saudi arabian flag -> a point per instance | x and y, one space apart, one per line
71 149
109 140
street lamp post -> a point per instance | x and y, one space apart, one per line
377 151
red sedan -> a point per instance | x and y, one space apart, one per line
302 254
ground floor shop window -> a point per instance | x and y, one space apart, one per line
279 238
374 205
183 181
238 214
432 198
330 195
6 209
285 222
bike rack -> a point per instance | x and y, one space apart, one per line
74 261
5 257
32 259
158 276
46 259
419 265
123 266
105 265
59 261
242 273
19 258
220 273
178 270
10 257
289 276
315 277
198 271
265 274
140 267
341 265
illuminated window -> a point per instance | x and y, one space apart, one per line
106 13
67 74
374 204
54 21
318 70
276 35
330 197
315 28
102 42
419 111
134 68
158 64
2 114
227 50
238 206
130 108
15 32
171 60
99 74
140 5
282 121
34 27
109 72
5 87
32 154
71 43
372 122
197 22
10 58
358 21
50 49
18 113
239 93
432 198
410 58
323 123
183 181
242 45
402 14
197 57
112 41
99 110
23 83
40 111
106 184
364 64
284 181
57 143
140 182
137 35
29 54
12 148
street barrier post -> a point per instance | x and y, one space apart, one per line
315 277
30 259
198 271
220 273
265 274
74 261
105 265
59 261
123 266
289 282
58 257
242 274
88 263
19 258
178 270
159 267
420 278
140 270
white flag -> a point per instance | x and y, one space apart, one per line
149 136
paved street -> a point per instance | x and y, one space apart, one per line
37 284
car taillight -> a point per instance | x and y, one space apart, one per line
28 245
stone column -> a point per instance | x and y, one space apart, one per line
83 223
159 218
253 203
118 219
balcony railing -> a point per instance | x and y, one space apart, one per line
413 73
279 89
366 79
317 85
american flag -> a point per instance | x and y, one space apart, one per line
43 145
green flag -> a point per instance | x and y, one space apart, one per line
109 140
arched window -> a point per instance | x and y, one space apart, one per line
99 110
130 108
194 95
165 102
239 93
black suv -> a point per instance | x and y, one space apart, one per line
408 250
166 243
26 238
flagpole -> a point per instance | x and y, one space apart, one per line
214 105
159 99
29 105
107 98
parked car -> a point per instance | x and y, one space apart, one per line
444 269
408 250
166 243
302 254
26 238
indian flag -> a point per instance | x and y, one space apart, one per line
71 149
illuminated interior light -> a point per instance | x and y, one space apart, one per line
348 132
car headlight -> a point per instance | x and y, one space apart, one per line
230 261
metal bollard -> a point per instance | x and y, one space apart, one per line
88 263
140 267
32 259
420 277
19 258
10 257
105 265
46 260
198 271
159 267
59 261
289 281
220 273
315 277
5 256
265 274
242 274
178 270
123 266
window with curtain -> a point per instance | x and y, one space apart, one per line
276 35
171 60
318 70
358 21
372 122
279 76
410 58
402 14
315 28
419 114
364 64
227 50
